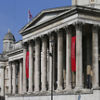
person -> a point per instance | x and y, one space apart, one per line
89 77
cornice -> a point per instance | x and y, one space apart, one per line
16 52
46 11
65 14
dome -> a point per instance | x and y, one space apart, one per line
9 36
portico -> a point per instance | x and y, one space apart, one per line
49 45
38 45
42 44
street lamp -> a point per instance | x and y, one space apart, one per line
51 54
0 89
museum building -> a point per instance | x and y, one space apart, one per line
57 58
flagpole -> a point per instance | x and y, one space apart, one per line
28 16
75 2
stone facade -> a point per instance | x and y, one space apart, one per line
48 39
90 3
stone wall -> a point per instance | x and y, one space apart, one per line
93 3
89 96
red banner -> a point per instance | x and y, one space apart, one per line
73 57
27 64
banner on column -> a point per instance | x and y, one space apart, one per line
27 64
73 57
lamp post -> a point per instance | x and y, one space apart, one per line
0 89
51 54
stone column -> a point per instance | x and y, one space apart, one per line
30 67
79 78
37 65
21 76
10 78
24 69
68 60
2 82
50 62
44 64
95 65
14 77
60 59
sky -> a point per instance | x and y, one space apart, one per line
14 14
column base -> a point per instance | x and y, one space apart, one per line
68 89
21 93
43 90
24 91
36 91
86 91
78 89
29 92
96 88
13 93
59 89
49 91
50 88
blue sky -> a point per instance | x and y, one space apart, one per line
14 14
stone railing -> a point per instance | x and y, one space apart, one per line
18 45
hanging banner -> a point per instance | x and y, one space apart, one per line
73 57
27 64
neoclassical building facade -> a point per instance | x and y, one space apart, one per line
47 40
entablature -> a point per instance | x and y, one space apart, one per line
15 55
63 15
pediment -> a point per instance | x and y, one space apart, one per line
43 17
